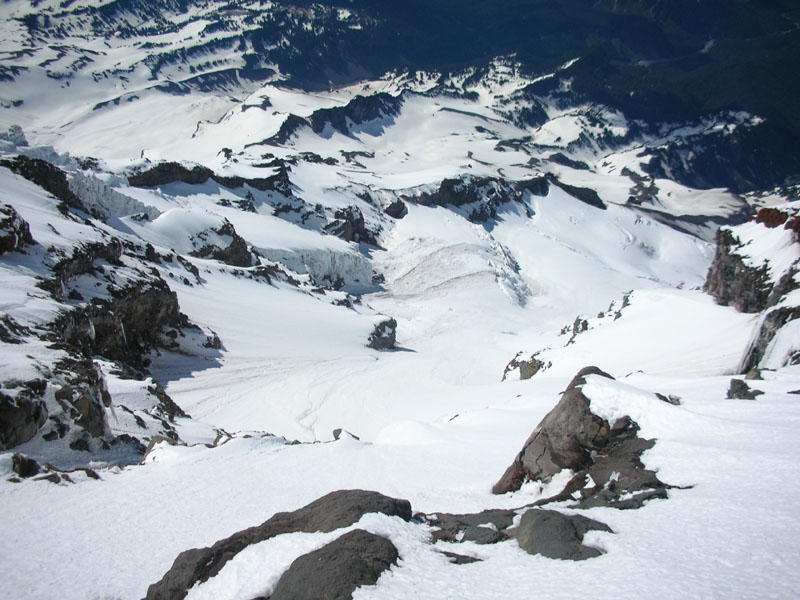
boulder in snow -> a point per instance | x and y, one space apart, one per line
739 390
556 535
604 456
334 571
384 336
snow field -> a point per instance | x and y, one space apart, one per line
434 422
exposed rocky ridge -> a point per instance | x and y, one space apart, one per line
526 365
586 195
360 110
12 332
67 409
21 414
476 197
171 172
81 262
538 531
110 305
485 527
725 158
731 282
604 456
47 176
138 319
739 390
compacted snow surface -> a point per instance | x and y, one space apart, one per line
434 420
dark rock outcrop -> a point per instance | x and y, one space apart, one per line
333 511
335 571
236 254
485 527
12 332
173 172
23 466
546 532
21 417
460 559
170 172
349 225
733 283
125 327
604 456
723 157
396 209
561 159
26 467
84 395
384 336
288 128
477 197
360 110
15 233
771 217
46 176
556 535
739 390
538 186
749 289
81 262
528 367
586 195
565 439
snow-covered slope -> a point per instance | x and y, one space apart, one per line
227 302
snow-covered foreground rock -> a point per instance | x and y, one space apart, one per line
258 341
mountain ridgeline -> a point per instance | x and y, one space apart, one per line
656 62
